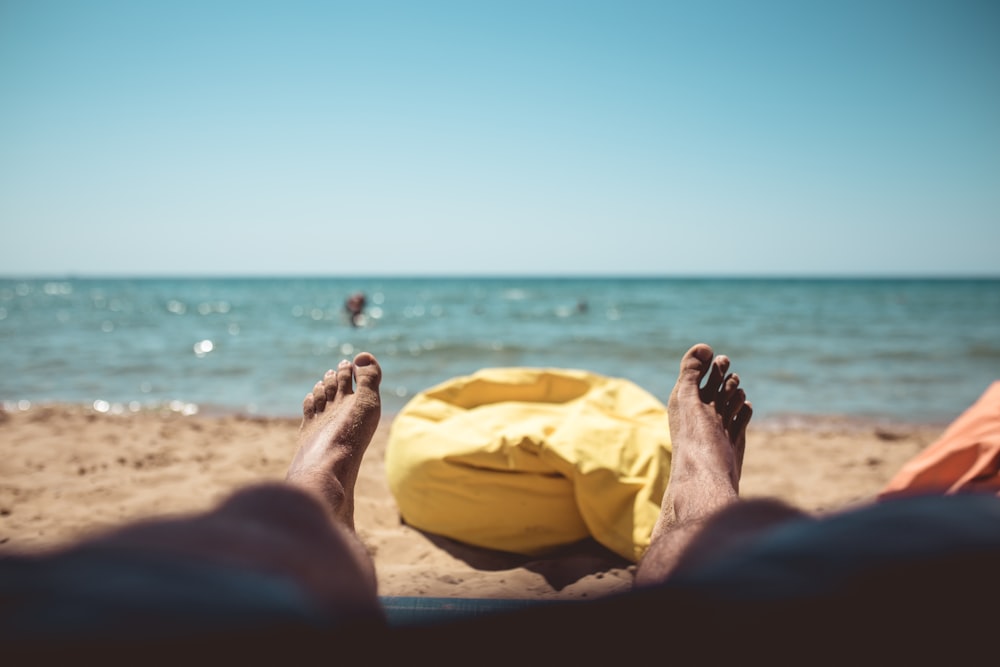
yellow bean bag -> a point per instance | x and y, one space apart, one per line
525 460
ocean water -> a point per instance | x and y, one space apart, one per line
884 349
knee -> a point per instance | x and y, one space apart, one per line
292 531
287 508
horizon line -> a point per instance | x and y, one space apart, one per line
500 276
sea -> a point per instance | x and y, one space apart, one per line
807 350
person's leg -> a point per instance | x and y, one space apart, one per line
700 513
338 424
300 532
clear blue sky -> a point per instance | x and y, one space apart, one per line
507 137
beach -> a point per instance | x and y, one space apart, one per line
68 471
124 399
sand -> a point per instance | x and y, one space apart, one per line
67 471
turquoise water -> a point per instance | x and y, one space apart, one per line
902 350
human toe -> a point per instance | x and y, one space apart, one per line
319 397
716 377
344 378
367 371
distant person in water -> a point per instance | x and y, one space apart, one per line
279 565
355 307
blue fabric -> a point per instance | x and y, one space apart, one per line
98 594
807 557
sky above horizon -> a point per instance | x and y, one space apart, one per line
518 137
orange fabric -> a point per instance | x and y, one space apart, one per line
965 458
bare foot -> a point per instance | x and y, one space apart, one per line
707 425
708 436
338 422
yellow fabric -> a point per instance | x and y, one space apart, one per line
525 460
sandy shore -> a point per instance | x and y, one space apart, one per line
66 471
